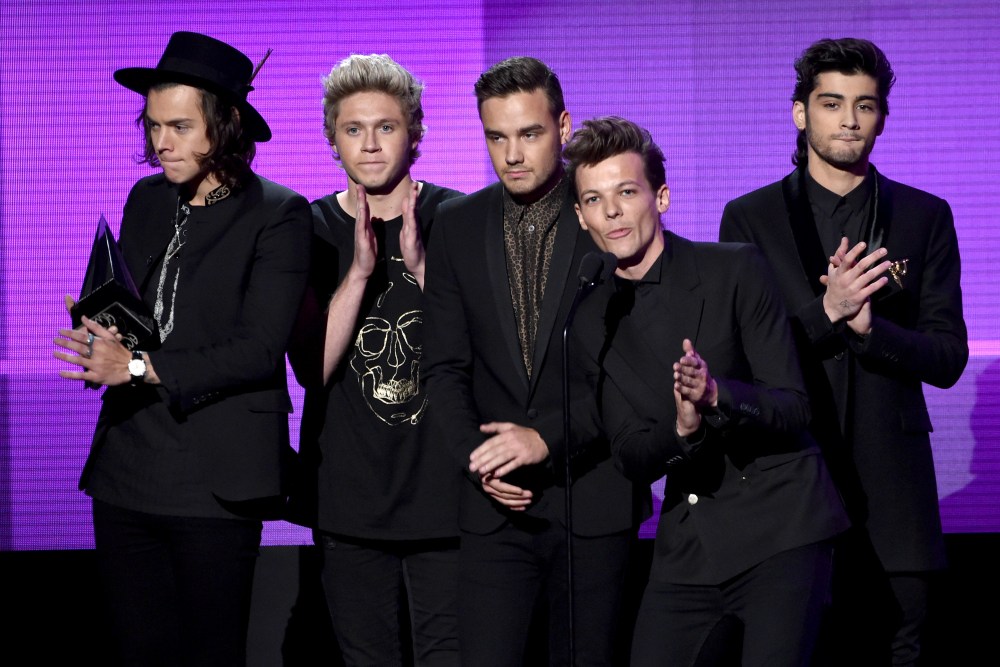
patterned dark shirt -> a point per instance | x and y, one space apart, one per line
529 232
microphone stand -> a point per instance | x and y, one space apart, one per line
591 267
568 474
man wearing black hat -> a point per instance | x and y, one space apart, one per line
186 460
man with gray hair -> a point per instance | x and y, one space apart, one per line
381 501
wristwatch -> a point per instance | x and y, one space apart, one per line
137 368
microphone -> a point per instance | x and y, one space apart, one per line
593 266
596 265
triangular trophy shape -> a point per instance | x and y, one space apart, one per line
109 296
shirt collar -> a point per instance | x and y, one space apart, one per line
827 202
654 275
550 204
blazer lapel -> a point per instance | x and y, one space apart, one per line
617 349
630 363
153 234
560 268
647 393
499 281
803 227
879 228
879 233
684 306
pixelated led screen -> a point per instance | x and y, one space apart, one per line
710 80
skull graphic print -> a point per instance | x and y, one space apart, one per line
387 354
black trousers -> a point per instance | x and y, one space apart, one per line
877 618
366 583
504 577
777 603
177 588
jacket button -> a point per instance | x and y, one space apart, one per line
693 498
532 413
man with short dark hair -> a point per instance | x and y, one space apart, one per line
501 275
381 492
188 454
870 274
689 350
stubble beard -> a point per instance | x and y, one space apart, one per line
846 158
536 187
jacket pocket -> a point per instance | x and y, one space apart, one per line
774 460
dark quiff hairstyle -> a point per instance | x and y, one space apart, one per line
520 74
231 152
603 138
847 56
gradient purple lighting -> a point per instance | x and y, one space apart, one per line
710 80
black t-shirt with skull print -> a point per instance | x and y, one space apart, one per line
378 470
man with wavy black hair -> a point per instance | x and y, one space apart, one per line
870 273
845 56
187 457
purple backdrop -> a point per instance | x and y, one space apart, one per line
710 80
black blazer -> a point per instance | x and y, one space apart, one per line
753 483
223 367
867 400
475 373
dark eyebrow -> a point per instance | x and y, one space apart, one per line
627 183
172 121
838 96
521 130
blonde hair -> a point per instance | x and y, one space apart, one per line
373 73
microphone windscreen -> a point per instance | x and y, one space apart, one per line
591 267
609 262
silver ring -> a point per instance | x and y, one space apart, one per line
90 345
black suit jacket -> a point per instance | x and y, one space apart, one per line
867 398
475 373
243 273
752 483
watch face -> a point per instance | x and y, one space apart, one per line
137 367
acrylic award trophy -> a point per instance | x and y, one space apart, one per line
109 296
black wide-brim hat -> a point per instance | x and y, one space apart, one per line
203 62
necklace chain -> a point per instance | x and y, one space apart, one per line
162 311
